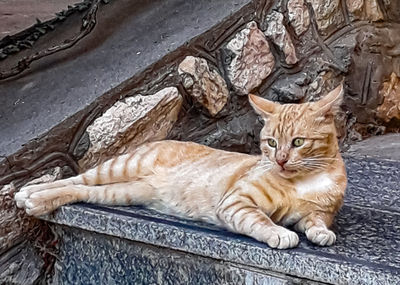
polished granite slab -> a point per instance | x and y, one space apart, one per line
367 227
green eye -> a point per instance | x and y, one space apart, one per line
298 142
272 143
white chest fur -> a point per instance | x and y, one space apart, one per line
317 183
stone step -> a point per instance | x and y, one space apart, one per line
144 242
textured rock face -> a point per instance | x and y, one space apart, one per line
277 32
390 93
206 86
372 10
354 5
131 122
327 13
365 9
14 222
299 16
252 59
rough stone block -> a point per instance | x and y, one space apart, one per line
390 93
277 32
299 16
252 60
328 13
365 9
206 86
131 122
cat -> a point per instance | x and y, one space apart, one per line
298 180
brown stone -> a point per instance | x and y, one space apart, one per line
252 61
277 32
372 10
131 122
390 93
328 13
206 86
354 5
13 221
299 16
365 9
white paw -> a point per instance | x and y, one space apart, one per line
321 236
33 199
279 237
20 198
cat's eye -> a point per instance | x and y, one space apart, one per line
298 142
271 143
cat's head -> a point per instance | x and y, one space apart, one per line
299 138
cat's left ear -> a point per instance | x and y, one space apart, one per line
330 104
262 106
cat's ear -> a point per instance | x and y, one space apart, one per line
262 106
330 104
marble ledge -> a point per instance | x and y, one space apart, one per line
365 252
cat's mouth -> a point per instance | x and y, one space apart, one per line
286 172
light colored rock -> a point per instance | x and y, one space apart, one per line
390 93
365 9
252 59
327 13
131 122
299 16
277 32
372 10
354 6
206 86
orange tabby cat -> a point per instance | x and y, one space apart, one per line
299 179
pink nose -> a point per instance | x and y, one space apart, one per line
281 162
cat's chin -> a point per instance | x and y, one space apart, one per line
286 173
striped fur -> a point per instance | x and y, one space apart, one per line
252 195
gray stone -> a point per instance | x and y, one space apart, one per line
88 258
379 147
21 265
252 59
206 86
277 32
53 90
299 16
367 227
131 122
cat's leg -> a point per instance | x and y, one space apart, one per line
245 217
316 228
122 168
126 193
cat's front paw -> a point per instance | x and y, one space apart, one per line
279 237
321 236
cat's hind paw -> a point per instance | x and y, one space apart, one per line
281 238
321 236
36 201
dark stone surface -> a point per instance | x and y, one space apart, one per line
367 227
33 104
101 258
379 147
20 265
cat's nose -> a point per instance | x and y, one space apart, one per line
281 162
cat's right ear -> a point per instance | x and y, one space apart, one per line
262 106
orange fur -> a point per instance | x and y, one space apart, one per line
301 185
